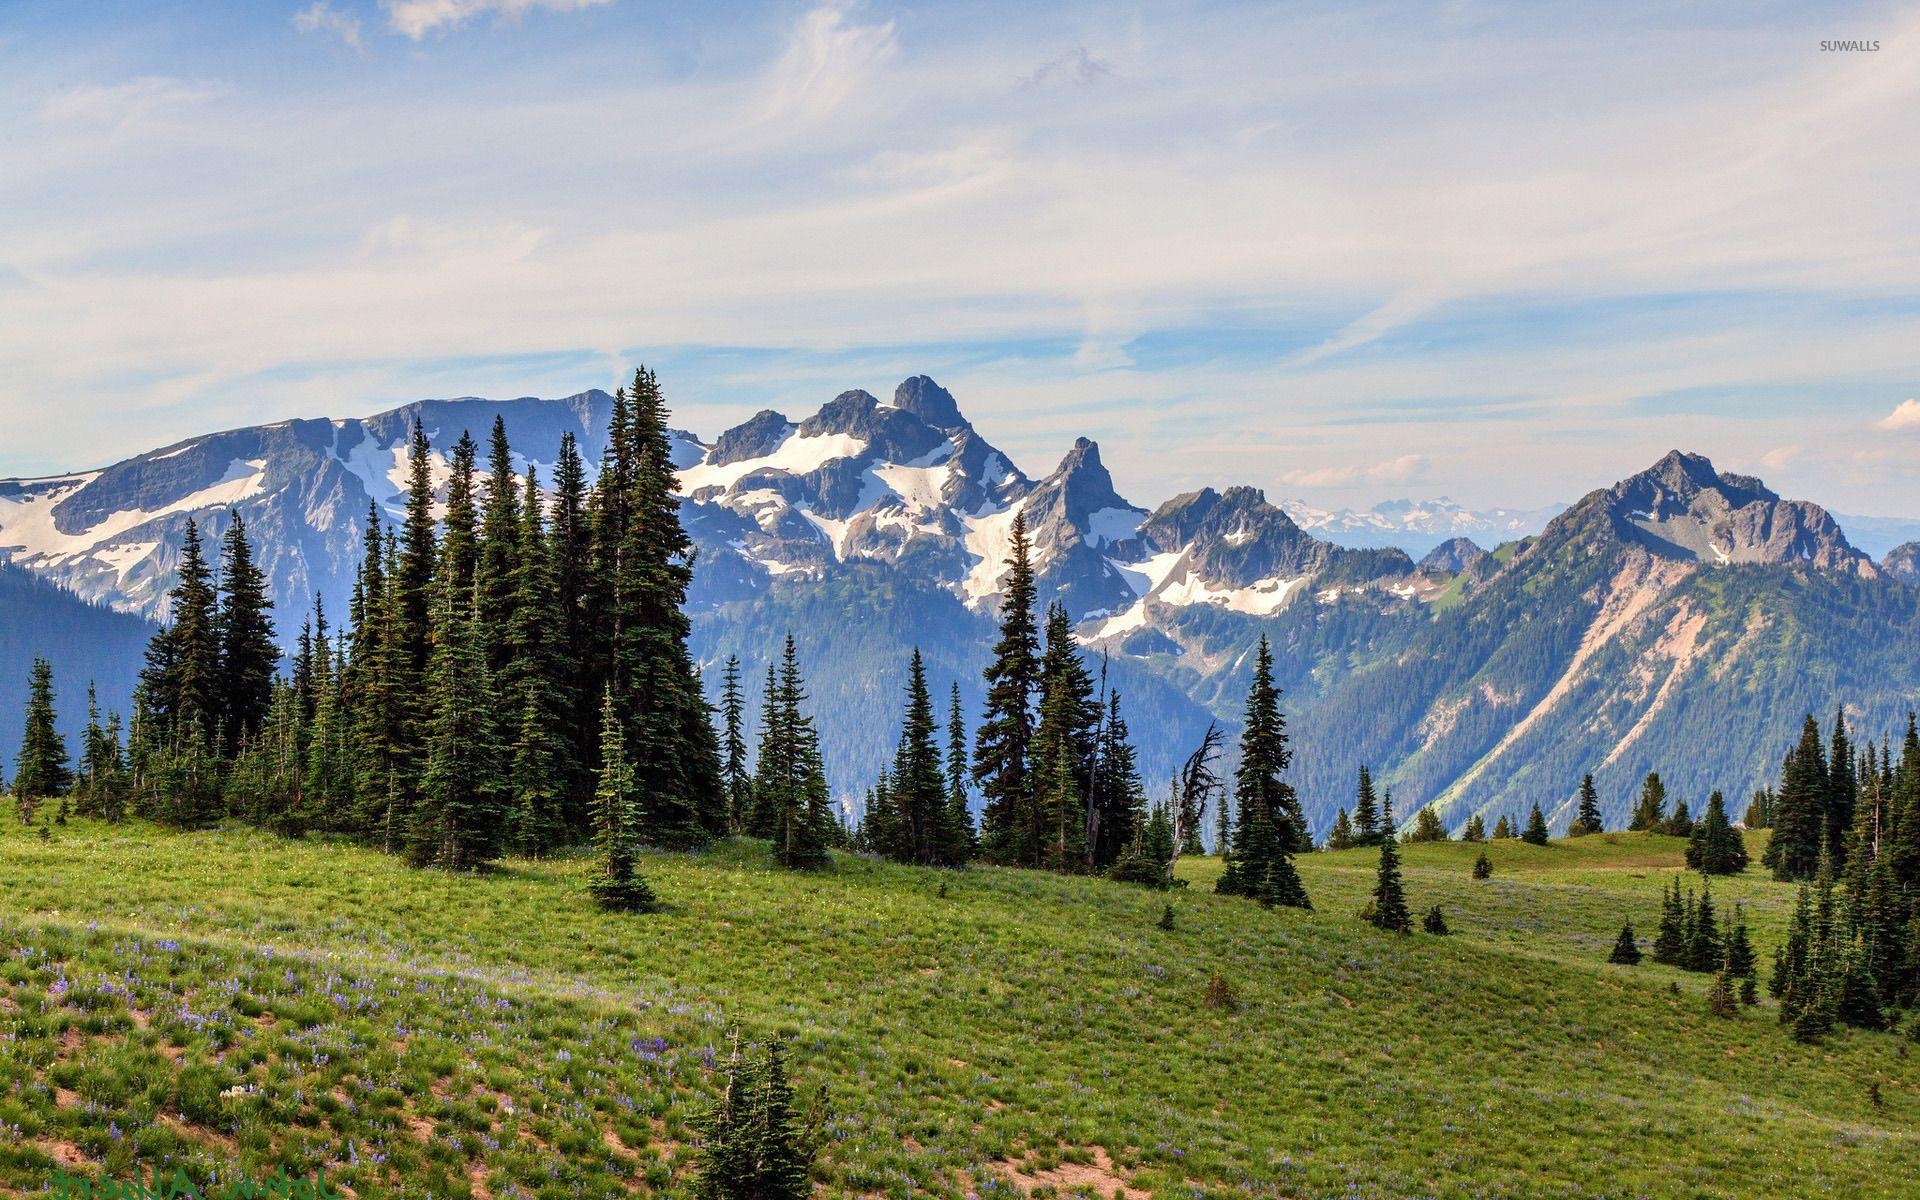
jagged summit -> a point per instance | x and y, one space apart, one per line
928 401
1682 508
1455 555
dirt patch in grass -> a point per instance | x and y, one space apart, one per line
1100 1177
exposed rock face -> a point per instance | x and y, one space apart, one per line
1456 555
1682 508
1903 563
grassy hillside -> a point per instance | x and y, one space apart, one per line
226 998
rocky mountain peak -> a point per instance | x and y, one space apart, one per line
1682 508
929 401
1455 555
1903 563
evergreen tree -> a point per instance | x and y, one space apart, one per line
1705 950
1476 830
1741 961
1502 829
1063 749
1148 858
1342 836
1626 950
248 655
1536 834
460 819
1670 943
533 678
642 564
570 550
1760 810
755 1144
1435 922
1117 804
1720 1001
733 746
503 542
1799 810
1271 829
1842 793
790 790
1004 740
1483 866
1650 811
1366 811
1716 847
41 769
1586 817
1680 824
919 788
960 843
1388 909
1192 787
99 784
182 677
1427 826
616 818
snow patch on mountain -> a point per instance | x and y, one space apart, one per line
797 455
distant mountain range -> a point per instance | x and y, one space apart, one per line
1520 649
1418 526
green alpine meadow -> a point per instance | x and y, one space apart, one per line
233 1002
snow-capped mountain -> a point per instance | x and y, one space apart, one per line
912 483
1517 653
303 487
1417 526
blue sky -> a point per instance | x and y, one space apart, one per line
1344 252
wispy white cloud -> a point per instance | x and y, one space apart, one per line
418 18
121 105
1401 469
1905 415
828 58
322 17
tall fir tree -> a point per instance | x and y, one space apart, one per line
642 564
181 678
459 821
569 537
915 835
1003 742
618 885
248 654
1536 831
502 545
532 682
1799 816
962 842
1063 750
1716 847
1366 811
1843 792
1388 908
792 801
1270 829
1586 818
1117 803
41 767
1650 810
735 777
